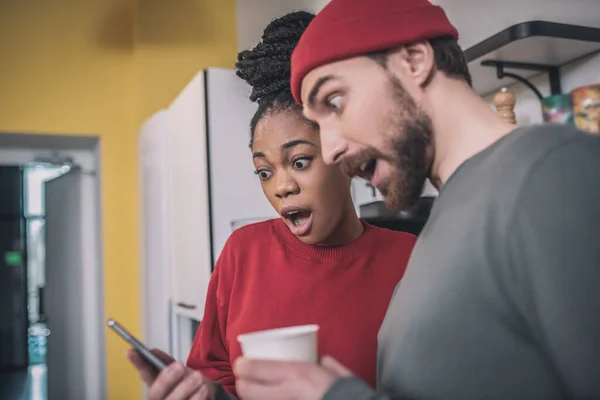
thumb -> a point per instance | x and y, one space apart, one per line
334 367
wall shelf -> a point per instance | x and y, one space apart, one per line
527 49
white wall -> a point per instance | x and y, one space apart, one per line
475 19
254 15
478 19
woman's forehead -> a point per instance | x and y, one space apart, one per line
275 130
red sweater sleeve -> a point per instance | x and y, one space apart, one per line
210 354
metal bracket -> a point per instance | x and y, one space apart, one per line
553 74
373 190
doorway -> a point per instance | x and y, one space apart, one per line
35 175
53 253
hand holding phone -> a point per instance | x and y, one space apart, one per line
168 379
142 350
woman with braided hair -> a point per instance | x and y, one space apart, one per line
316 264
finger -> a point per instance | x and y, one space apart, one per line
188 386
202 394
265 371
333 366
146 371
166 381
166 358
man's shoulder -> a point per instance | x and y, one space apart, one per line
545 134
526 147
548 169
541 151
509 174
567 168
512 161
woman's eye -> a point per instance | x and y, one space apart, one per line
301 163
263 174
335 102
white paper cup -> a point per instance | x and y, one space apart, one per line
294 343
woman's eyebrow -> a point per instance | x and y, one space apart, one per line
292 143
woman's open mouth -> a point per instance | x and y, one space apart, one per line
298 219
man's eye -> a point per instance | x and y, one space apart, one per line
263 174
335 102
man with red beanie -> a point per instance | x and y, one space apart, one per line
500 299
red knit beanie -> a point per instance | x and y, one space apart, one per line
349 28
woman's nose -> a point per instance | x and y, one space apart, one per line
286 186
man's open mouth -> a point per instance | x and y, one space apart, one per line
366 169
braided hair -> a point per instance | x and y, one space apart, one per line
266 68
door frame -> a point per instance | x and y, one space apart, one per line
84 151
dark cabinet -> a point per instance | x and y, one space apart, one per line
13 272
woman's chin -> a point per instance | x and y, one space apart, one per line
310 240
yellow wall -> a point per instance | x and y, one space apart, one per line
101 67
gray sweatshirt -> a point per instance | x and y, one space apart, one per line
501 298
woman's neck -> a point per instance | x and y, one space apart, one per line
348 230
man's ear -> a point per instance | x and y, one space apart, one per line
416 60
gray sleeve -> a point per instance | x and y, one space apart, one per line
554 246
353 389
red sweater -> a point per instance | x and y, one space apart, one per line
267 278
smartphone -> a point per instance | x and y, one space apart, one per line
142 350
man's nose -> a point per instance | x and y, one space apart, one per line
333 146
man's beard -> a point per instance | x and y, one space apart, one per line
411 138
409 132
